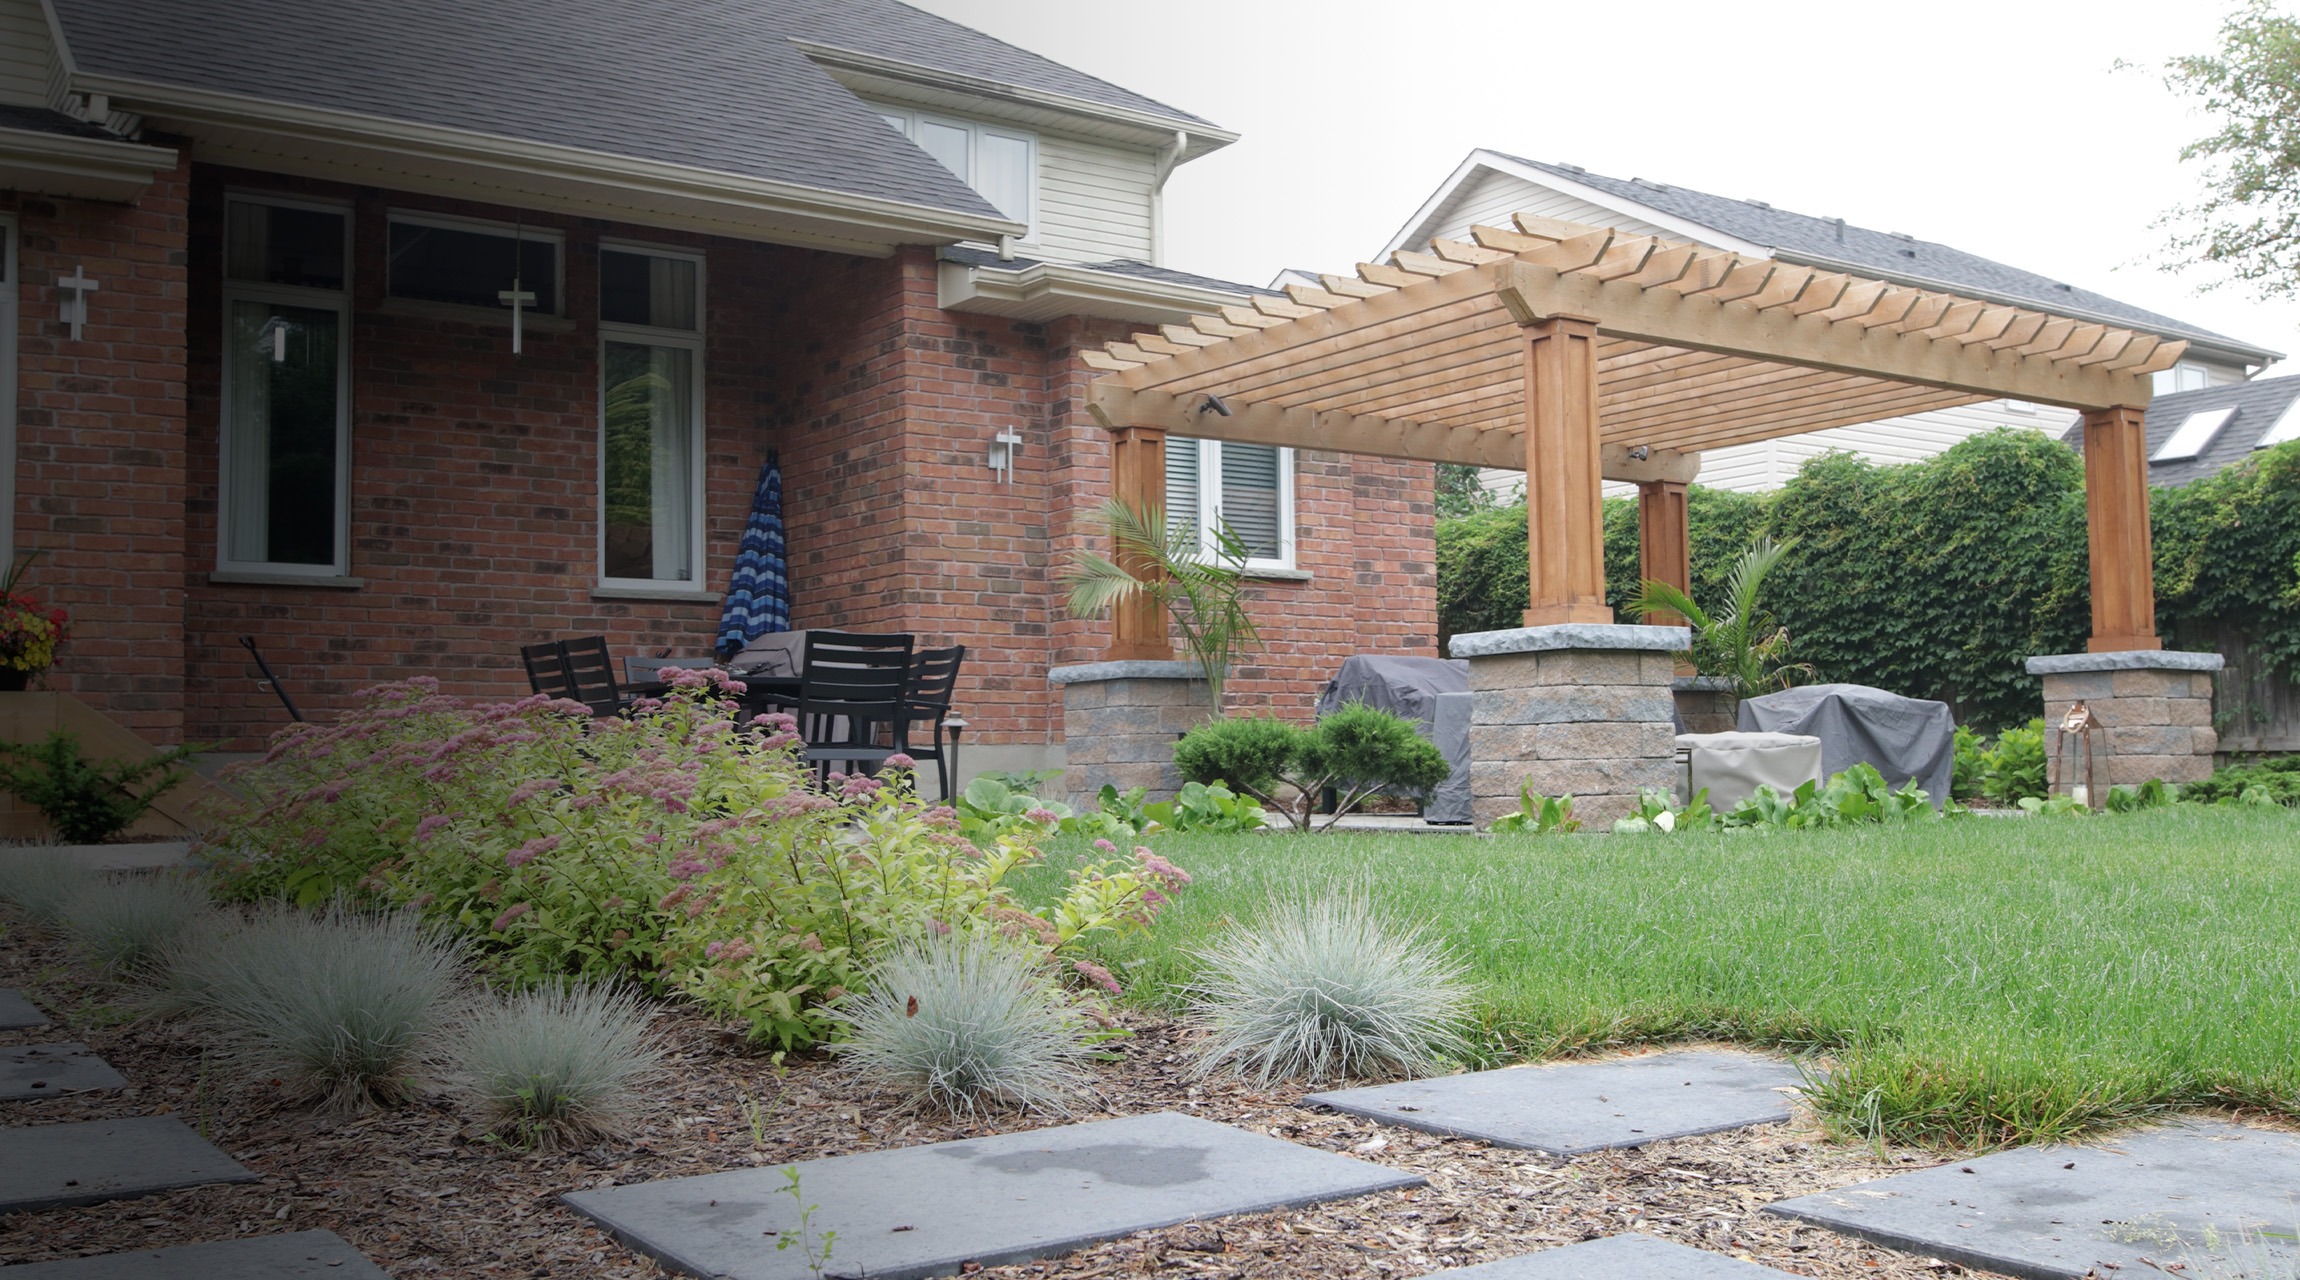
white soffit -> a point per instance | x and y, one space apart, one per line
2196 431
2287 428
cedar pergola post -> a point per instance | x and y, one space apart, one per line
2116 530
1564 511
1138 479
1664 541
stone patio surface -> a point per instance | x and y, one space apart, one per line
53 1070
925 1211
295 1255
2055 1212
47 1165
17 1013
1623 1257
1578 1107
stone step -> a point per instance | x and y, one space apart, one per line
53 1070
89 1161
927 1211
294 1255
1571 1108
18 1013
1623 1257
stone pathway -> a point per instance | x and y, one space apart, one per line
2136 1204
17 1013
290 1255
1579 1107
925 1211
1624 1257
53 1070
88 1161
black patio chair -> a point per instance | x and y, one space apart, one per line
849 685
926 700
579 670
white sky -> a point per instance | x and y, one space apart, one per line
2001 128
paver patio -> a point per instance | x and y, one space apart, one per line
88 1161
18 1013
2057 1212
53 1070
1623 1257
294 1255
923 1211
1580 1107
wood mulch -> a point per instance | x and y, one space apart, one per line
422 1194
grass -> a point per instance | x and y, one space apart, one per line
1973 982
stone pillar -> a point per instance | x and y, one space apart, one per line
2116 532
1564 488
1575 709
1120 721
1706 703
2155 707
1138 479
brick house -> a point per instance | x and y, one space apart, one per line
265 381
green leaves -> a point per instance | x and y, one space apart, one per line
88 801
1741 642
1356 751
1538 815
2248 219
1203 595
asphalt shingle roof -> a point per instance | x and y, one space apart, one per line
1887 253
2258 404
714 84
1113 266
42 120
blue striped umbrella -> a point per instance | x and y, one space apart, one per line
759 592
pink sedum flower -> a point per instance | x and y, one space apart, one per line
1099 976
511 913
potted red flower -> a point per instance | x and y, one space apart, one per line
29 630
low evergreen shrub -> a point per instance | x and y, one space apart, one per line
2276 779
88 801
1355 752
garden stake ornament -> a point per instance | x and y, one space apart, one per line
2077 726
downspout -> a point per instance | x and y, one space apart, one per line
1168 157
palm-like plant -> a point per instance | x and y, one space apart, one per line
1740 642
1203 593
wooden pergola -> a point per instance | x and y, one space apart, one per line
1581 355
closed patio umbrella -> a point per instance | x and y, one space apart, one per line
759 591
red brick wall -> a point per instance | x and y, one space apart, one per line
100 445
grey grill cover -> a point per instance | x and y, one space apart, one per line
1410 687
1903 737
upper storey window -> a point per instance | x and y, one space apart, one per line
1000 163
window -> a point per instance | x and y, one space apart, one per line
1001 164
1248 487
286 438
2195 432
467 263
651 417
2185 376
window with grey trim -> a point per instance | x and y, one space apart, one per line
471 265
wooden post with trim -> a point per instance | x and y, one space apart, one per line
1564 526
1138 479
1664 542
2116 531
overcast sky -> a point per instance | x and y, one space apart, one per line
2001 128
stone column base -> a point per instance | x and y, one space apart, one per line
2154 706
1120 721
1578 709
1706 704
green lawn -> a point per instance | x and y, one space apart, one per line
1978 981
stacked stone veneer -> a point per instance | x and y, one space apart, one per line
1706 704
2155 709
1578 709
1120 721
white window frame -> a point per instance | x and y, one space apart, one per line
508 230
11 273
1210 503
906 120
292 295
692 340
2165 382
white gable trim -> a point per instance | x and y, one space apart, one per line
1417 231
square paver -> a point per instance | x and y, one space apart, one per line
1575 1107
17 1013
47 1165
1624 1257
294 1255
53 1070
2054 1212
925 1211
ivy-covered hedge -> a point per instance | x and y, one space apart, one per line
1937 578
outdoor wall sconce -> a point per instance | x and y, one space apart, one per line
74 310
1005 448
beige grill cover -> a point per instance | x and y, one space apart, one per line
1734 765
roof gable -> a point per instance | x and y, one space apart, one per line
2258 405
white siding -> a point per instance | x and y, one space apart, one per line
1093 201
24 54
1490 198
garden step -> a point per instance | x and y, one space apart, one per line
48 1165
294 1255
18 1013
925 1211
2130 1205
1577 1107
53 1070
1623 1257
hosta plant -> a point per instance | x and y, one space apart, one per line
1538 815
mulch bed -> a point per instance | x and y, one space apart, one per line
419 1191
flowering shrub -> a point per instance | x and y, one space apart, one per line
29 633
669 848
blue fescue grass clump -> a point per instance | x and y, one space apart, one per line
1972 982
558 1064
36 879
123 924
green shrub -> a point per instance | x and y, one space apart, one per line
1356 751
123 924
88 801
2276 779
38 879
1251 753
1856 796
1971 767
2014 767
556 1065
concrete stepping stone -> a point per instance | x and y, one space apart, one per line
294 1255
1577 1107
88 1161
926 1211
1623 1257
53 1070
2054 1212
17 1013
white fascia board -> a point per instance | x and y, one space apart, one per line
82 168
1417 230
1049 290
901 220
